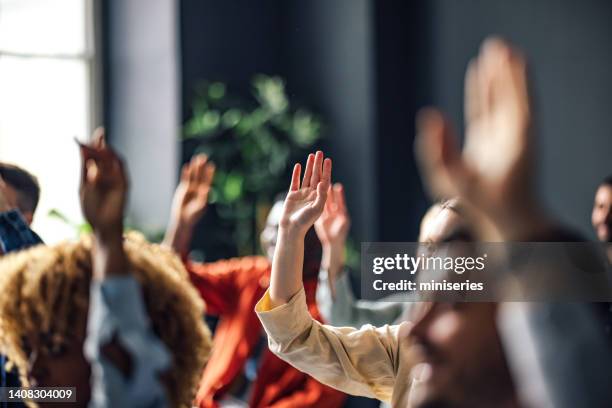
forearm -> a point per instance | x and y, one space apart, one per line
286 279
178 237
333 259
108 254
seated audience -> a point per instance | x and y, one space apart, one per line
116 318
450 355
379 362
231 289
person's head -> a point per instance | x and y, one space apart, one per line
601 217
462 363
22 189
312 246
44 307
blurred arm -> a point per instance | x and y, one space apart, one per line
345 310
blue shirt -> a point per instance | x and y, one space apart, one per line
15 234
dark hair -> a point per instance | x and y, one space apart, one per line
606 181
26 185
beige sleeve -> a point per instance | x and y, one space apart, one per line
356 361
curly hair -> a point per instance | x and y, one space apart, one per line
45 291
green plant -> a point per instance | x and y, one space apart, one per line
252 142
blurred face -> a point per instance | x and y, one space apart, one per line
312 245
12 196
462 360
601 216
62 366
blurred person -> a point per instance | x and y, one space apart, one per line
231 289
15 233
20 188
335 297
556 351
601 217
115 318
441 223
19 196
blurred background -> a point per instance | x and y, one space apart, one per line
256 84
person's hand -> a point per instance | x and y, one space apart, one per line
305 202
332 228
103 193
191 195
494 175
103 188
189 202
303 205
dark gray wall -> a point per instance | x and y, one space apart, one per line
324 51
330 63
568 46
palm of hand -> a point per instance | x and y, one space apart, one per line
300 209
194 198
496 151
332 227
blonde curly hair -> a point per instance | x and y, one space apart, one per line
45 290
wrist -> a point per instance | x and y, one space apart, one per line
333 259
523 223
108 258
109 236
290 233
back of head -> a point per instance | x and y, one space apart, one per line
45 294
25 185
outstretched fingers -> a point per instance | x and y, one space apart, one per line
316 173
295 178
339 199
323 184
310 162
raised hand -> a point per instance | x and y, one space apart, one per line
332 229
191 195
303 205
494 173
103 188
103 194
305 202
189 203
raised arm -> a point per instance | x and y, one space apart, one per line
494 174
359 362
126 356
332 229
189 203
335 297
303 205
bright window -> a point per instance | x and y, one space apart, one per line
46 94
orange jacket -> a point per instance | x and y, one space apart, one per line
231 289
